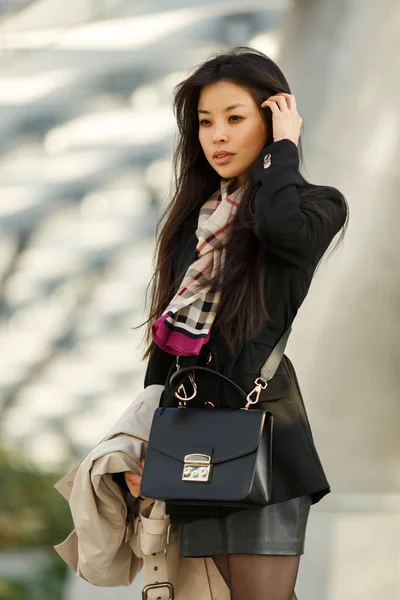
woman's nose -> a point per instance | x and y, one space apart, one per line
219 136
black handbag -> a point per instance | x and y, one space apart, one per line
207 461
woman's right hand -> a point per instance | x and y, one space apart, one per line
133 481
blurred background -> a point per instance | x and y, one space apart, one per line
86 142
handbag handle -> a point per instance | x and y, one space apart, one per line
181 374
268 369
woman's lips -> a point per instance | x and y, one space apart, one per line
221 160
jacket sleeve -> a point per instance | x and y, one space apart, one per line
158 367
297 235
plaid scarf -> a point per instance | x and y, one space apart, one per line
185 325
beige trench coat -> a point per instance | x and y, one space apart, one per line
114 535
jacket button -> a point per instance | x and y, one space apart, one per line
209 358
267 161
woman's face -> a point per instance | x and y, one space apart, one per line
241 130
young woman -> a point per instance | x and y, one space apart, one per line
243 236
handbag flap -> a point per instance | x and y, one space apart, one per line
226 433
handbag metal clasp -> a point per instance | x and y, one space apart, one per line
181 389
261 384
197 467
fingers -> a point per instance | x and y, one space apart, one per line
282 102
286 121
272 105
133 481
291 99
277 104
134 478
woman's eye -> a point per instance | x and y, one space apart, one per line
203 121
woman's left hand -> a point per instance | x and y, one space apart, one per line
133 481
286 121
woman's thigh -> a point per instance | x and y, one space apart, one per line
259 576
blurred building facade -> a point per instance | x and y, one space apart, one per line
86 136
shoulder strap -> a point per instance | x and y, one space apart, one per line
267 370
272 363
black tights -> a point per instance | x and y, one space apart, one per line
259 576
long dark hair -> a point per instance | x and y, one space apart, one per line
242 313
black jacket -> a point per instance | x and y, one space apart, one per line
296 240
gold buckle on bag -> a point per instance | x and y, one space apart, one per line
261 384
156 586
181 389
197 467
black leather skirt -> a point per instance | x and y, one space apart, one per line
274 529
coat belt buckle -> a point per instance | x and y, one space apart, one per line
157 586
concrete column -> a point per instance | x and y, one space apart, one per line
341 61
